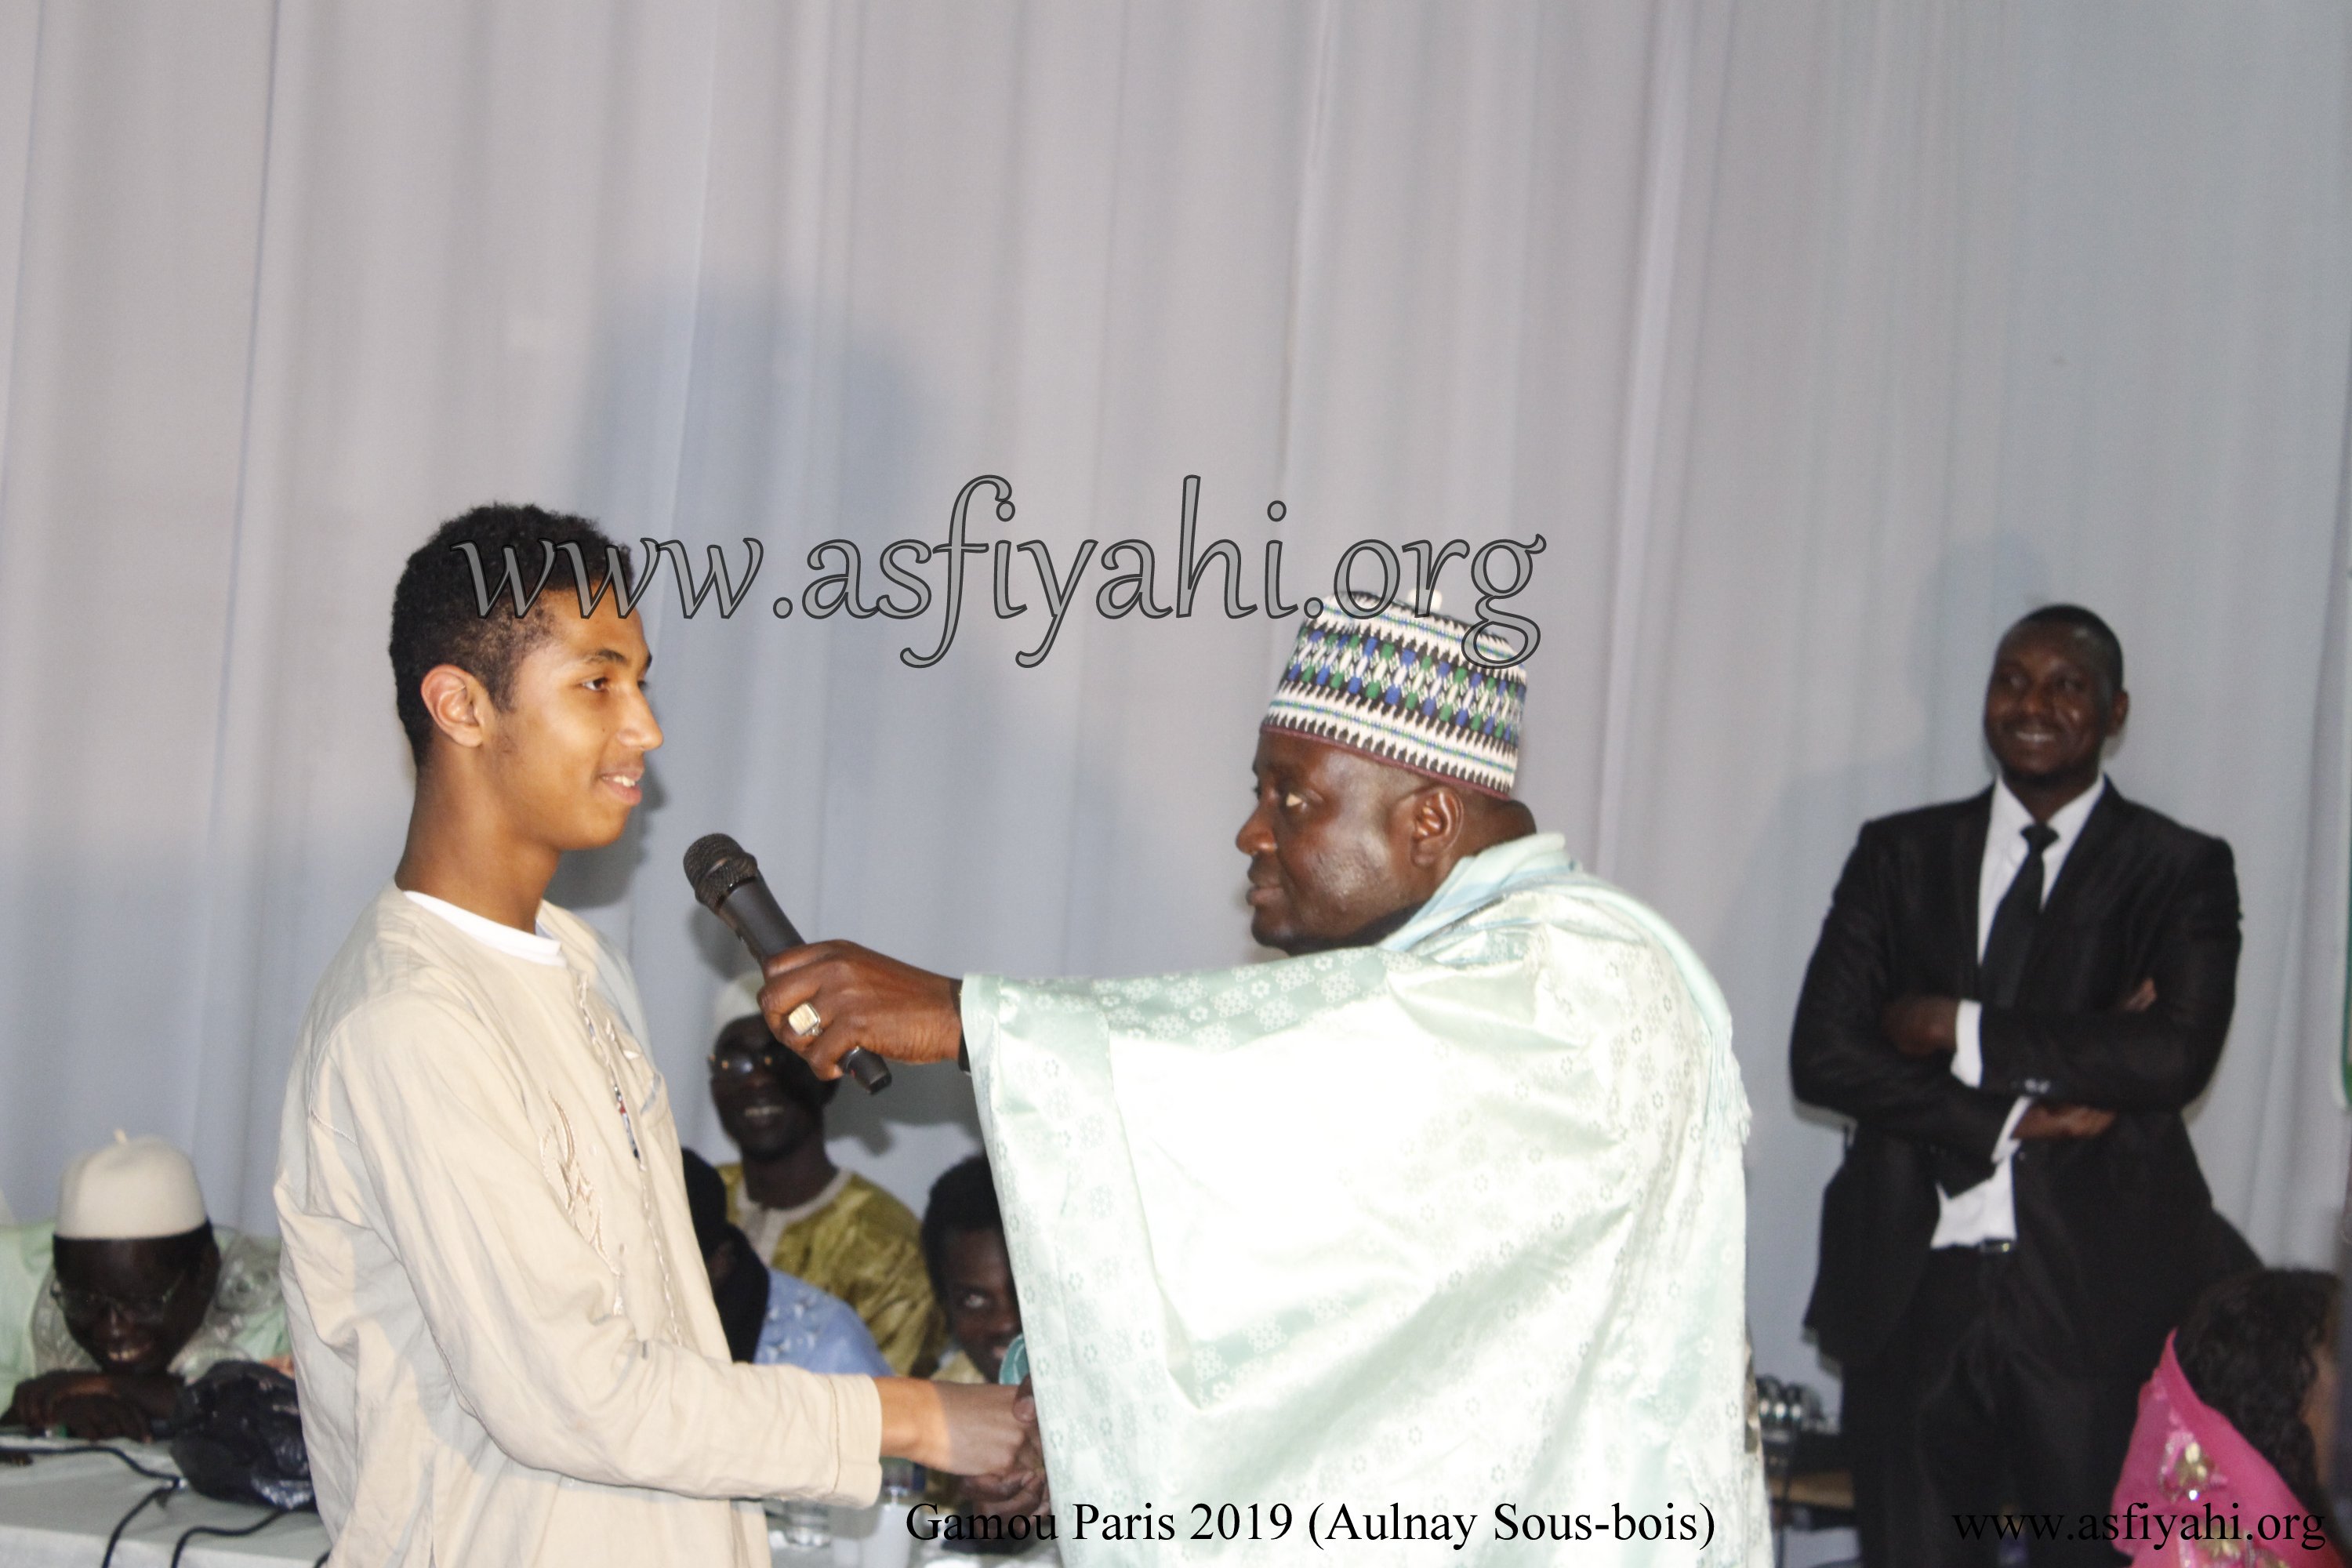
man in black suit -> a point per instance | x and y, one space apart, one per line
2013 996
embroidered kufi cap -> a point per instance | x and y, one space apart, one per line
129 1190
1396 687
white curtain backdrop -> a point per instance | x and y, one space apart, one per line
1817 340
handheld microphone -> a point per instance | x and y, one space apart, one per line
728 883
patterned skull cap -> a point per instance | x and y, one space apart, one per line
1396 688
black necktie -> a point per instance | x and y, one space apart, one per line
2013 921
2004 963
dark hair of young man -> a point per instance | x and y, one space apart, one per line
965 1199
436 610
2251 1349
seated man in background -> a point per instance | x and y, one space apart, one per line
132 1292
963 1248
831 1227
771 1318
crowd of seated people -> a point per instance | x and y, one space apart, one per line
805 1216
132 1291
854 1239
770 1317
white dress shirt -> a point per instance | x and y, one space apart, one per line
1988 1211
536 946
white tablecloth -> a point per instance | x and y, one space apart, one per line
57 1512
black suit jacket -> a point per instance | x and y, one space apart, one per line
2116 1234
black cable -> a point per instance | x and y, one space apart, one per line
321 1563
228 1532
93 1449
124 1522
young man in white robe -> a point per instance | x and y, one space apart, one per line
1426 1244
502 1327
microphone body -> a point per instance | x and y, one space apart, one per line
728 882
753 914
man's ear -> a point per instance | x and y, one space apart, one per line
1436 823
2118 714
458 703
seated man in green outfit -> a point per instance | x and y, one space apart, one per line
131 1293
829 1226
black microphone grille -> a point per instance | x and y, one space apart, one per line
717 866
